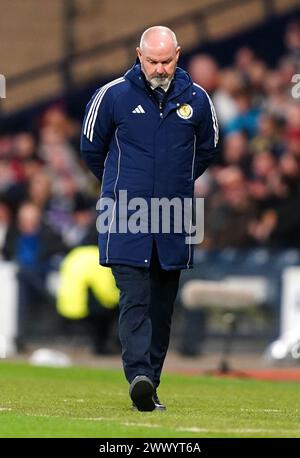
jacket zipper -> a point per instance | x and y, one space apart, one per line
160 110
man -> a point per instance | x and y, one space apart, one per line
31 244
151 133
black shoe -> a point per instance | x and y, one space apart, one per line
141 392
158 404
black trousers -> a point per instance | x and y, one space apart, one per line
146 304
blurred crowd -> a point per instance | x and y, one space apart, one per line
253 192
44 188
47 210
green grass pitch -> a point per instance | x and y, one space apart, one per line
89 402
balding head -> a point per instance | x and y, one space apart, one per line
158 37
158 53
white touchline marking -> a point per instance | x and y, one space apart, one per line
238 430
124 423
192 429
195 429
259 410
148 425
73 400
111 393
266 410
5 409
94 418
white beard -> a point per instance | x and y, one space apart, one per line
156 81
160 82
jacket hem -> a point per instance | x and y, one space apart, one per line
130 262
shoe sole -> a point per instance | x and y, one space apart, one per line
141 391
158 408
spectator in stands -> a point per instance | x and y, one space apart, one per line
5 221
236 152
230 82
204 71
31 244
56 118
83 222
24 145
230 211
275 95
57 151
256 77
247 116
264 166
89 296
289 167
269 136
244 58
7 177
292 41
40 190
279 225
56 207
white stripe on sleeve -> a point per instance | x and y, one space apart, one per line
93 111
213 115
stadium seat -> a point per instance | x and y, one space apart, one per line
231 297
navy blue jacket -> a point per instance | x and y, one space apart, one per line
130 144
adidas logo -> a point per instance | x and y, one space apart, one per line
139 109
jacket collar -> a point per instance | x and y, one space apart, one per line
181 82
